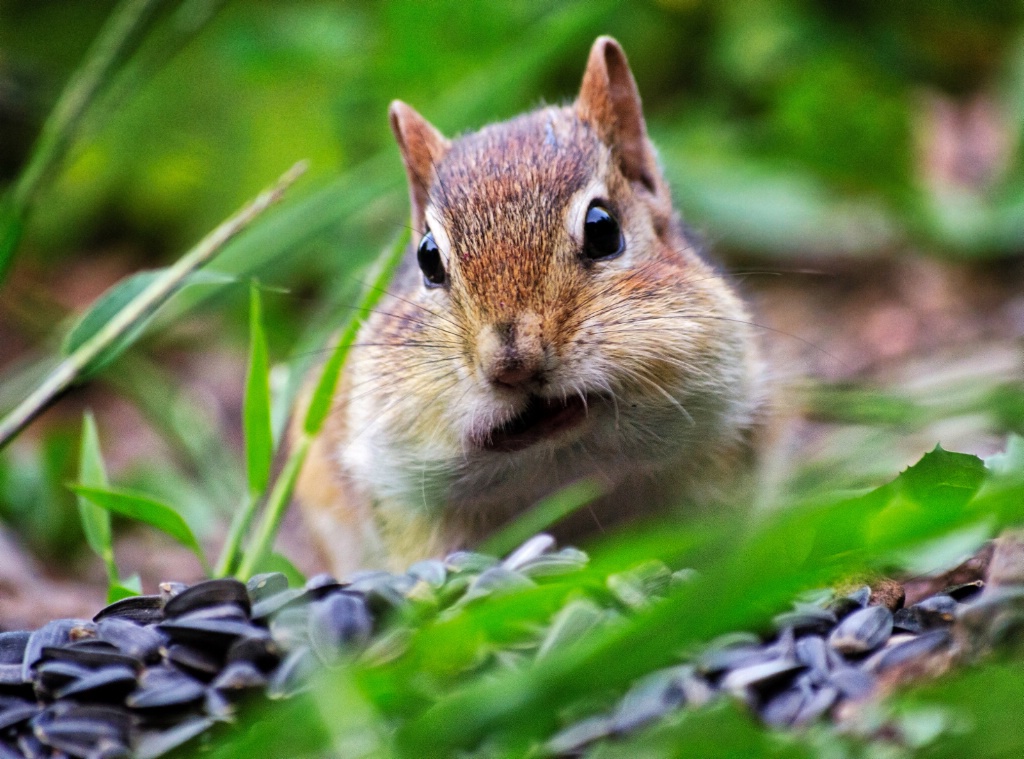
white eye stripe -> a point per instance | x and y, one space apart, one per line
440 235
576 210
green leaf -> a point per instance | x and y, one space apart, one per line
943 479
124 589
95 520
143 508
92 473
259 445
109 304
980 707
541 516
323 396
275 562
927 497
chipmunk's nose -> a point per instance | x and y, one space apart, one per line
513 375
511 353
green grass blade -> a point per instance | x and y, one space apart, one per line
95 520
323 395
143 508
319 407
118 297
139 308
241 521
277 504
276 562
124 589
544 514
256 408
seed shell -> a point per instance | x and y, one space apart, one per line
862 631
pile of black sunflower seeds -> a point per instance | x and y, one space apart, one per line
150 674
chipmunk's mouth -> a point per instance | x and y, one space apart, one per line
540 419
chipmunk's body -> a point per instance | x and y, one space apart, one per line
552 323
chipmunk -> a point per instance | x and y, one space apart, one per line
551 322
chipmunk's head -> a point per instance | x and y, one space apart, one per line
548 250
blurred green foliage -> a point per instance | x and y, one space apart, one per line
789 129
483 678
819 98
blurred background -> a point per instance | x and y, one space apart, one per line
856 166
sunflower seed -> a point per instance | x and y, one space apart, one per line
782 709
266 585
381 589
531 549
52 634
133 640
217 706
54 675
760 674
852 682
292 675
806 618
816 705
718 660
195 661
931 613
319 585
575 737
467 561
267 607
290 628
209 633
862 631
338 621
635 588
562 562
650 698
165 688
496 580
17 713
965 590
157 744
812 652
262 651
169 590
900 652
110 684
858 599
238 678
143 610
91 656
572 623
942 607
13 645
208 593
77 737
430 571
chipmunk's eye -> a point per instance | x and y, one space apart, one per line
602 237
429 257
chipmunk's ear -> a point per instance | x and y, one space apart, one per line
610 102
422 148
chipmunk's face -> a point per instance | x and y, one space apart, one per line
523 257
556 304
